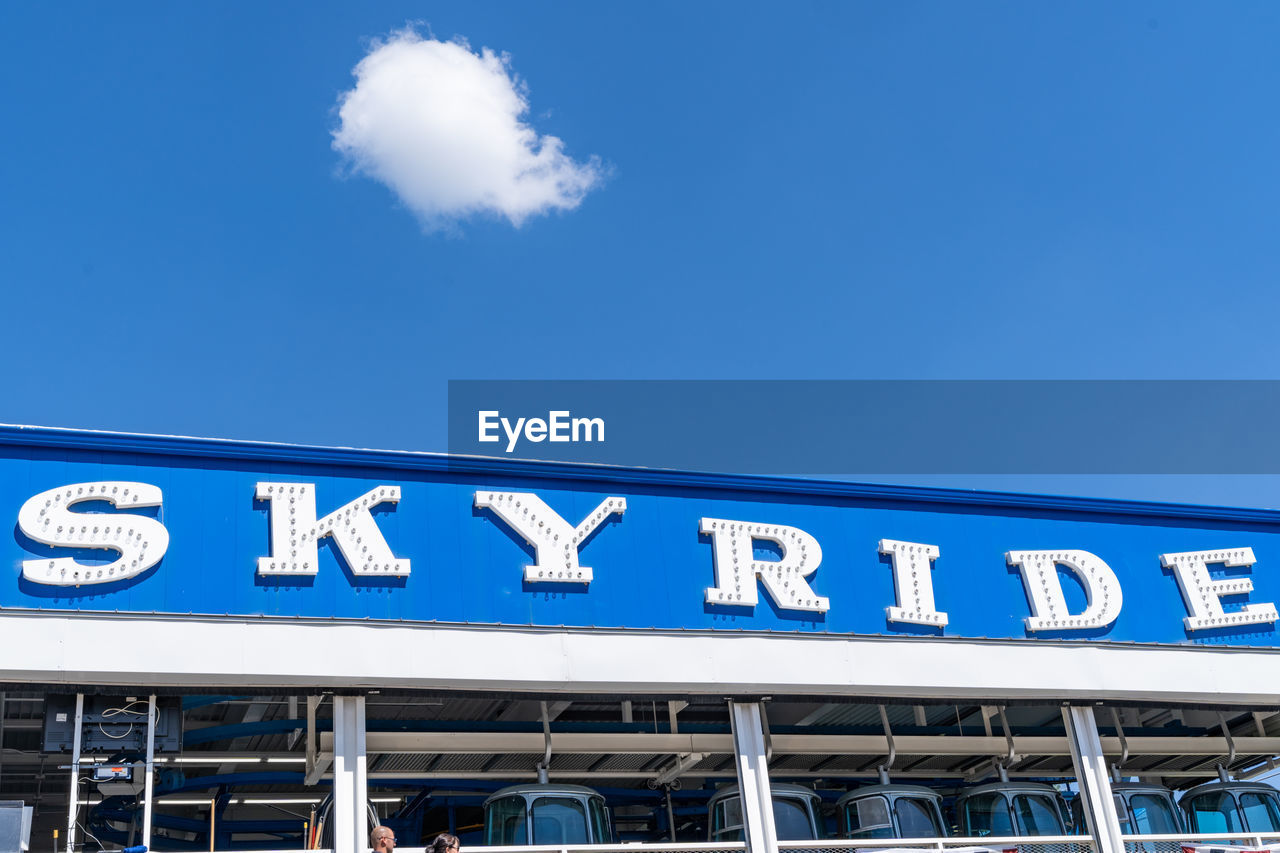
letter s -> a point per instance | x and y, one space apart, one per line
47 518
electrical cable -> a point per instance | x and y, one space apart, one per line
111 712
86 831
279 809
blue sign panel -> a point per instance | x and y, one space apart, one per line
224 528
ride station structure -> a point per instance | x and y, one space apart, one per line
225 645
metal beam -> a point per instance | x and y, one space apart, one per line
414 776
149 783
1091 775
747 720
74 797
790 744
1259 721
317 763
674 707
678 768
2 721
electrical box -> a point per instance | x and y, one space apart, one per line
119 779
112 772
111 724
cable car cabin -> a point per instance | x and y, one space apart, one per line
1143 809
1232 807
1011 809
796 811
891 811
546 814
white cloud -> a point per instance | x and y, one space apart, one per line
441 126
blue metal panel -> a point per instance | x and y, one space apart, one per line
651 564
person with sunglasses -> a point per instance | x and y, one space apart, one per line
383 839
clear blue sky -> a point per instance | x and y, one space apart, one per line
807 190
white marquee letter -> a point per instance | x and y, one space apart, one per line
1044 591
555 543
47 518
912 563
295 532
1202 594
732 543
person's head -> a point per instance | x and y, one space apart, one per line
445 843
383 838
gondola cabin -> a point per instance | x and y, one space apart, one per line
547 814
796 812
1232 807
1142 809
891 811
1004 809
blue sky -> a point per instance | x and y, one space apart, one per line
799 190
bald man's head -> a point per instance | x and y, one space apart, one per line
382 838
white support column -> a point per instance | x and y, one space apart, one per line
151 771
1092 777
747 721
350 776
343 780
75 774
362 778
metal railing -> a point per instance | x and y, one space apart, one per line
982 844
645 847
1039 844
1172 843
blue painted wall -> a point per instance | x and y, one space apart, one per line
651 565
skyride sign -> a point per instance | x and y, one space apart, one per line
146 525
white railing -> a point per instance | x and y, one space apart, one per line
1173 843
1022 844
641 847
983 844
943 843
1039 844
